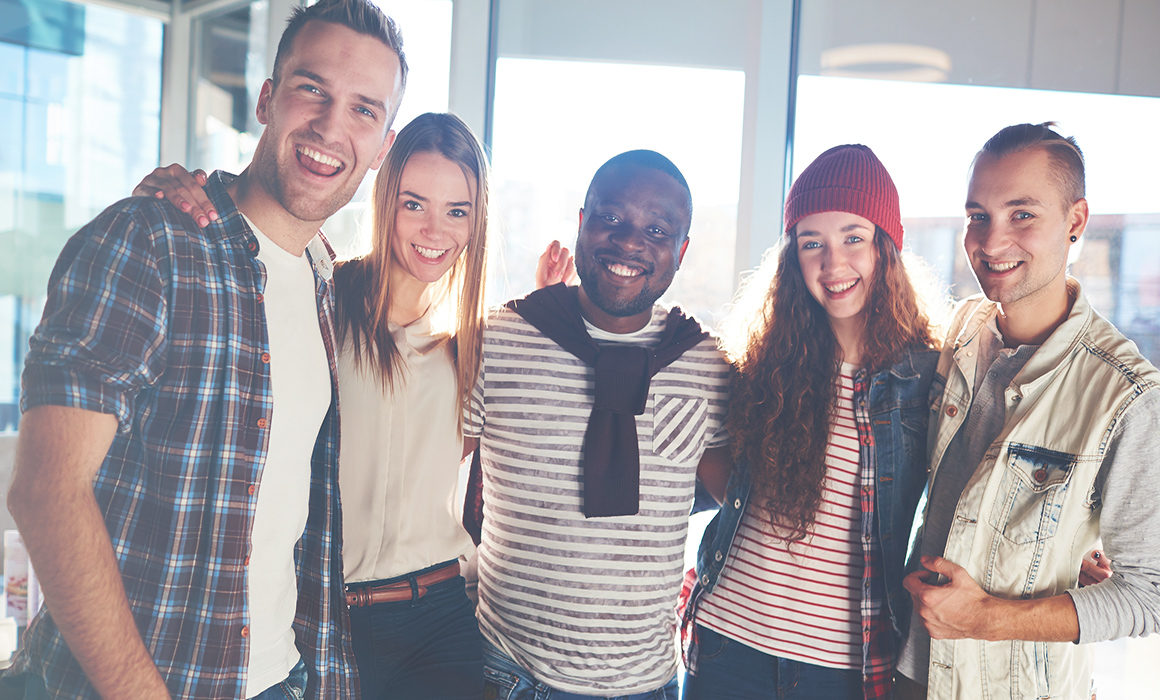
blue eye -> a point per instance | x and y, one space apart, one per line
367 112
457 213
810 245
854 238
976 217
1023 215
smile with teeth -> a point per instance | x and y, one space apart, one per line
621 269
840 287
317 158
1002 266
430 253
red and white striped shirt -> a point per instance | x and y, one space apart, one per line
801 602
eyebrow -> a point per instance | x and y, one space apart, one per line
1021 202
369 101
412 195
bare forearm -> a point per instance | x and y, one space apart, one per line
82 589
52 501
1037 620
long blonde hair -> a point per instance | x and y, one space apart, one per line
363 285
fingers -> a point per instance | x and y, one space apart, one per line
942 566
183 188
913 582
553 265
1094 567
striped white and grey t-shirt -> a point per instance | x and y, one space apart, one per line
585 604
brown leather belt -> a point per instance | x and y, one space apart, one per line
362 596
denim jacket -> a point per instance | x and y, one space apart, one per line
899 409
1032 508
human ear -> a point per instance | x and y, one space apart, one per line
1077 219
262 111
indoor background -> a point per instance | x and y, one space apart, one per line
741 94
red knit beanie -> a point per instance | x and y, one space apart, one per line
846 178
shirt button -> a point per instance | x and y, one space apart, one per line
262 422
266 357
245 630
261 298
866 440
246 561
717 556
952 411
252 247
1040 475
253 488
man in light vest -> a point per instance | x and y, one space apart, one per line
1045 444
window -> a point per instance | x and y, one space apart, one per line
79 126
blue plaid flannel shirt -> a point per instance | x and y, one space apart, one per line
163 325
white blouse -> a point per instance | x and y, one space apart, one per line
399 459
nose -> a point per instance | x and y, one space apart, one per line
833 258
629 238
991 237
325 122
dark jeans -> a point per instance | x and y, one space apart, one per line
730 670
507 680
293 688
426 649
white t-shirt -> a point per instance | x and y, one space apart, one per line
300 387
585 604
399 459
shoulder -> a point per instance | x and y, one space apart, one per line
1120 354
505 328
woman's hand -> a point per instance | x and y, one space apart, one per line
183 188
555 265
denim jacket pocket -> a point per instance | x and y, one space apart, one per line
678 427
1034 484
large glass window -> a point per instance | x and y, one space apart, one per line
79 125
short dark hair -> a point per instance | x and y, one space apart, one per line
642 158
362 16
1066 158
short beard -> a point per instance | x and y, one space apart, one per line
586 269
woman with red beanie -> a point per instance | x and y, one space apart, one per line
799 576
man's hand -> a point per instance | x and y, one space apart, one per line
555 265
952 606
183 188
949 602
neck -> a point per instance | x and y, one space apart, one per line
410 298
609 323
1026 323
849 333
286 230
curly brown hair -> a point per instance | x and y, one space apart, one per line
783 389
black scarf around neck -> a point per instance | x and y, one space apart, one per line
610 461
